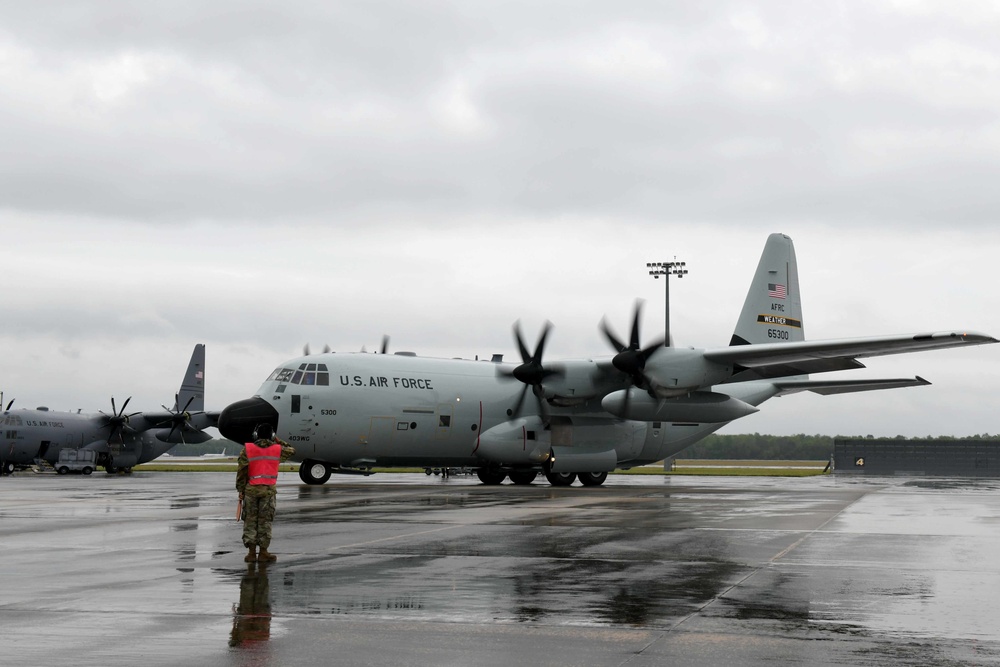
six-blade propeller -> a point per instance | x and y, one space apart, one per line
531 371
631 359
117 421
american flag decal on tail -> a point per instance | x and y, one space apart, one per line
776 291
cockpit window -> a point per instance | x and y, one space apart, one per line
307 374
282 375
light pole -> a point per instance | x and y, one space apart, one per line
667 269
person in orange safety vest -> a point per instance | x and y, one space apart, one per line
256 476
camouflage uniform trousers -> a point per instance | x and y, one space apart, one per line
258 513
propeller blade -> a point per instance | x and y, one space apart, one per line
9 404
326 349
612 338
531 372
516 410
634 340
520 342
385 344
305 350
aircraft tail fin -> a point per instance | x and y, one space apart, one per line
191 397
772 312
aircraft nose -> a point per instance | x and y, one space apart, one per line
238 420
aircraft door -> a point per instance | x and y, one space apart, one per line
302 417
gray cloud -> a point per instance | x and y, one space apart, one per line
725 114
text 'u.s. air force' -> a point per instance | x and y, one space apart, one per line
382 381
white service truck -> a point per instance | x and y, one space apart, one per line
76 460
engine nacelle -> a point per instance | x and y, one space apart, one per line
178 436
702 407
675 372
574 383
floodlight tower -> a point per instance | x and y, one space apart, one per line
667 269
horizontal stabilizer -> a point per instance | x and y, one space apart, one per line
829 387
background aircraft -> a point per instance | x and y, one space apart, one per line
121 439
349 412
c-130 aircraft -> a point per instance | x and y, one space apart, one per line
120 440
345 413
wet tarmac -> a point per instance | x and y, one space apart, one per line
409 569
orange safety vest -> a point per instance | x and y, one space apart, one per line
263 463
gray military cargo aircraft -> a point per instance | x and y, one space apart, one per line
120 439
345 413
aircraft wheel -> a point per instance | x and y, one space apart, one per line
88 470
491 477
6 468
111 469
522 477
314 472
560 478
592 478
63 470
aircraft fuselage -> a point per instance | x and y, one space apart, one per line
364 410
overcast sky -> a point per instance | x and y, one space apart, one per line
256 176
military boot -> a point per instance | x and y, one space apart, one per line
266 557
252 554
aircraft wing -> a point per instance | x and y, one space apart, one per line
196 420
773 360
827 388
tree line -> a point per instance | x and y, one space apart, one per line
795 447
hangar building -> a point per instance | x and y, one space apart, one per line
953 458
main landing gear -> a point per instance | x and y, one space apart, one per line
494 476
314 472
567 478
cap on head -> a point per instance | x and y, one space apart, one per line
263 432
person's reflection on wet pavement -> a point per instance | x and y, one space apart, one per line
252 615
